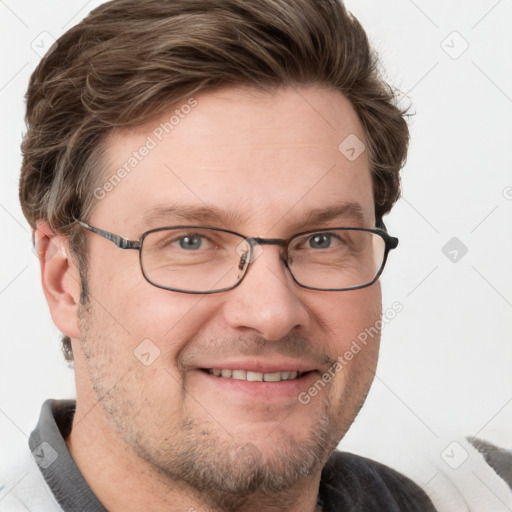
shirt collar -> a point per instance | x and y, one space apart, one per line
49 449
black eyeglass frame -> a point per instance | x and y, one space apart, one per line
390 242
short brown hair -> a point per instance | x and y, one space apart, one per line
129 61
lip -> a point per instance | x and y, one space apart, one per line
253 365
282 392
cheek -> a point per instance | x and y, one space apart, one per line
140 307
350 326
349 316
355 340
157 321
132 348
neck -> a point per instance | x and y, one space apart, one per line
123 481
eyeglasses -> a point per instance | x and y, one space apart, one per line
199 259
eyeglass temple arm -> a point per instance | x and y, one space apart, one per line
391 241
379 224
122 243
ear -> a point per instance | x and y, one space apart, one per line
60 278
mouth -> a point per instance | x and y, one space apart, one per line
253 380
269 386
252 376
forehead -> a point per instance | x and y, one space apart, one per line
239 157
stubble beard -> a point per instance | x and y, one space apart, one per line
227 472
220 470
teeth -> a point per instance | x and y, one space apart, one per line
255 376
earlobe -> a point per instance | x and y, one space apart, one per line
59 277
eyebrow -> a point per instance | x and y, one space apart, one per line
190 214
343 211
182 213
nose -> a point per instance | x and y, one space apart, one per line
267 301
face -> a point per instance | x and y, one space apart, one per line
264 165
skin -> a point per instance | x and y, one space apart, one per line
142 432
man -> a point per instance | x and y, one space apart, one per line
206 182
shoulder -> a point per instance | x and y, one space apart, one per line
361 484
498 458
471 475
23 488
457 473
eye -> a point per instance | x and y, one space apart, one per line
190 242
320 241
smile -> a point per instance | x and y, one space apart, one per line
255 376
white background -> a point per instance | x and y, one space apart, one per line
446 359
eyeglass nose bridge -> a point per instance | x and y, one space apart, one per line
254 243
